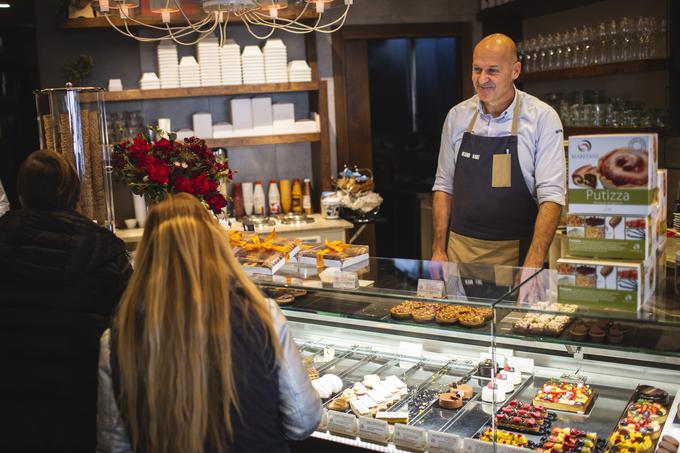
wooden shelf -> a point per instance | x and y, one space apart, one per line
529 8
627 67
568 131
263 140
226 90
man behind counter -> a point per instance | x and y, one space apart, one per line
505 148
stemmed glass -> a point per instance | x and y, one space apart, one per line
626 47
586 48
613 54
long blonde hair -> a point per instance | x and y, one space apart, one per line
178 352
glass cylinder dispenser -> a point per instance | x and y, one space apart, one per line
72 122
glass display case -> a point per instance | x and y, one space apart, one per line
448 357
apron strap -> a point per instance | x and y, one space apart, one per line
472 122
515 118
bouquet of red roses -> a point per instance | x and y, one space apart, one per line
155 168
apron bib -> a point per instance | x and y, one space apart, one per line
493 213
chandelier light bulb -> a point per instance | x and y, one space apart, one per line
256 15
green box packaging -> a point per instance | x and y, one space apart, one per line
611 236
606 284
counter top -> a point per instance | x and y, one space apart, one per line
320 223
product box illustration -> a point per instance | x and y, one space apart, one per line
606 284
612 174
611 236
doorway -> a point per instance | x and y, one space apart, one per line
394 85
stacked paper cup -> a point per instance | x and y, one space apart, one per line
168 69
299 71
252 62
209 61
189 72
230 63
275 60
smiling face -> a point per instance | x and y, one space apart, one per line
494 69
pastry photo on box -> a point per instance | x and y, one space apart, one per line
605 284
612 174
610 236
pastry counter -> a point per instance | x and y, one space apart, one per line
431 358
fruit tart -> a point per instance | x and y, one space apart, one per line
564 396
648 409
569 440
504 437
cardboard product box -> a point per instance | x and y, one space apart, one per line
612 174
349 256
662 191
260 261
606 284
611 236
660 227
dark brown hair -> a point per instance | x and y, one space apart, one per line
47 182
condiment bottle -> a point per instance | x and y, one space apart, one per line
284 185
297 197
274 199
237 200
247 188
259 202
307 196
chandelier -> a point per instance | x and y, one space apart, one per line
214 15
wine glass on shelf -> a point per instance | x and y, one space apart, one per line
567 50
550 52
542 58
602 45
575 47
661 39
626 47
613 46
586 46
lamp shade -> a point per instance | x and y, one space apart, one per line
163 6
124 4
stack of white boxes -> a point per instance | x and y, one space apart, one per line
189 73
168 68
252 64
299 71
283 116
149 81
613 229
263 123
242 117
230 63
275 61
208 52
203 127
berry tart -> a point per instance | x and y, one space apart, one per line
648 409
522 417
626 440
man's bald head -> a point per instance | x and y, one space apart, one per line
499 44
494 70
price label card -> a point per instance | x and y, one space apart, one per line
328 353
324 421
521 364
443 442
408 349
410 437
375 430
339 422
430 288
500 359
345 280
477 446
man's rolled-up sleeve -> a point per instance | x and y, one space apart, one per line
550 166
447 156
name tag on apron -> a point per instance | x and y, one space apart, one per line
502 170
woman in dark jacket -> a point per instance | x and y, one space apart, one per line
197 361
61 277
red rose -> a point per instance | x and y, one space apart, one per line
164 145
216 202
201 185
182 184
158 172
146 162
213 185
139 148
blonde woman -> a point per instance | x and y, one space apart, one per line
197 360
